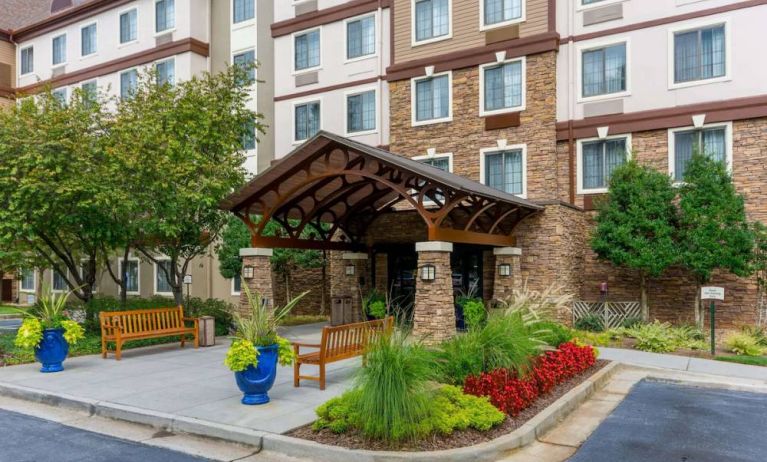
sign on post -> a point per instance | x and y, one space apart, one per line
187 279
712 294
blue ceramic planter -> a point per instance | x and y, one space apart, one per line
52 350
255 382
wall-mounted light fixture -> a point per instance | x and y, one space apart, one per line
504 269
350 269
247 272
428 272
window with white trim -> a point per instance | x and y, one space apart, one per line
162 284
503 86
27 60
246 60
59 281
590 2
603 70
306 120
27 280
599 158
128 83
501 11
710 141
59 52
361 112
360 37
432 98
440 162
61 95
700 54
236 285
90 90
88 37
243 10
129 26
504 170
432 19
306 50
129 273
249 136
164 15
166 72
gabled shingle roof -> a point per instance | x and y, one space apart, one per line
18 13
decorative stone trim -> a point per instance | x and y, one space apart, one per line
256 252
507 251
434 246
354 256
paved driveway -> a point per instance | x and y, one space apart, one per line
29 439
663 422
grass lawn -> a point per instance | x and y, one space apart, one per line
750 360
5 309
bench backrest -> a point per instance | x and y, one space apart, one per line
147 320
350 340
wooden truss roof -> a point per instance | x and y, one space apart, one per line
338 187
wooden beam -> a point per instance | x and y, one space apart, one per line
471 237
290 243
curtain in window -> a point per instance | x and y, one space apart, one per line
130 275
503 170
361 112
615 69
593 75
442 163
615 156
128 26
711 142
244 10
27 60
360 38
593 165
165 16
307 120
432 19
497 11
604 70
162 279
699 54
246 60
686 56
88 40
59 281
166 72
307 49
432 98
60 49
503 86
684 144
28 279
128 82
712 53
714 143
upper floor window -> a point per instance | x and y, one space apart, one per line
700 54
27 280
431 19
441 162
128 83
499 12
361 112
246 60
166 72
90 90
27 60
589 2
503 87
306 120
432 97
164 15
249 137
598 159
129 26
603 70
505 170
59 49
243 10
88 40
307 50
360 37
710 141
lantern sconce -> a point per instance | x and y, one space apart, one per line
428 272
350 269
504 269
247 272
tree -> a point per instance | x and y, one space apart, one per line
53 187
181 146
636 224
713 231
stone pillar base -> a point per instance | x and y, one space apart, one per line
503 286
261 282
434 311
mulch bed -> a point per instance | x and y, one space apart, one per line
470 437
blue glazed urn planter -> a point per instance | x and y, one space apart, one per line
52 350
255 382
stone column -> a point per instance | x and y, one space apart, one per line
434 311
503 286
261 282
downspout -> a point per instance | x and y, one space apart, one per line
571 99
380 71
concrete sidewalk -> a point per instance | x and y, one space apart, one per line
683 363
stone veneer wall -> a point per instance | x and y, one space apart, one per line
342 285
434 313
303 279
261 281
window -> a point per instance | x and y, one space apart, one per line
88 40
166 71
249 138
243 10
129 26
603 70
499 12
90 90
711 141
307 120
598 159
28 280
700 54
162 286
441 162
360 37
128 83
59 282
247 60
61 95
505 170
307 50
503 87
236 285
431 20
130 275
164 15
432 99
27 60
361 112
59 50
590 2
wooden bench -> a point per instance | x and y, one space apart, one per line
122 326
338 343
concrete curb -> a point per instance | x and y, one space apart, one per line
488 451
708 384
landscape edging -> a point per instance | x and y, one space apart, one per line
486 451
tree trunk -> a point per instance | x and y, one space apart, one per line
287 286
323 294
643 297
124 280
698 307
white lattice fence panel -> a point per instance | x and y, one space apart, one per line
613 314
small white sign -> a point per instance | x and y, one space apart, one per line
712 293
187 279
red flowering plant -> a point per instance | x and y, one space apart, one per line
512 394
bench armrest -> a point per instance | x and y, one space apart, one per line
110 328
298 345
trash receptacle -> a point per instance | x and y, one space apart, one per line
207 334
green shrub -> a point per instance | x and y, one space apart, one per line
377 309
743 344
656 337
474 312
553 333
758 333
339 414
593 338
631 322
591 323
219 309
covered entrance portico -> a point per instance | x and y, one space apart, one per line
361 202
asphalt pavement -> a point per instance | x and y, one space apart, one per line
9 325
664 422
29 439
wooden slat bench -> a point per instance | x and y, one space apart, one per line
338 343
122 326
